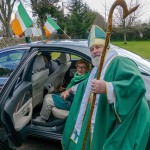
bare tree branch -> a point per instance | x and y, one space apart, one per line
6 8
130 21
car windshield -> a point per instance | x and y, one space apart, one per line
9 61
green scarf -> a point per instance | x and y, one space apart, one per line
76 79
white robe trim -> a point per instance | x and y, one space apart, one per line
111 93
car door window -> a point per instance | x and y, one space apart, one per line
9 61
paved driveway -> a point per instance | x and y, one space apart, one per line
40 144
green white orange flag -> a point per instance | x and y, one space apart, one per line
50 26
22 21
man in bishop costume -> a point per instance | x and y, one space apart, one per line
121 117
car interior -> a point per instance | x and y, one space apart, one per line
43 83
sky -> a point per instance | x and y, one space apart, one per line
99 5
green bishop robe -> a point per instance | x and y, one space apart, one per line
122 125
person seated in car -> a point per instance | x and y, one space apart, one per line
64 100
49 63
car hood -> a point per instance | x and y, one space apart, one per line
143 64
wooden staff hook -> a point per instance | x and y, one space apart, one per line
126 12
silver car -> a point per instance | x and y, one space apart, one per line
25 81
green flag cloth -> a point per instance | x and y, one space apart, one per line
122 125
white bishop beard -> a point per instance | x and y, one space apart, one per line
96 61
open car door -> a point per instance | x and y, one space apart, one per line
16 102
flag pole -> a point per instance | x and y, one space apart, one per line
65 33
39 34
126 12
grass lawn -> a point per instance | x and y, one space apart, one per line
141 48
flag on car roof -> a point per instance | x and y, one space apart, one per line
22 21
50 26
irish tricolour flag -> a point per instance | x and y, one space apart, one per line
22 21
50 26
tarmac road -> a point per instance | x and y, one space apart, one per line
40 144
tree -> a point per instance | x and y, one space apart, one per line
79 19
125 24
44 8
6 8
99 20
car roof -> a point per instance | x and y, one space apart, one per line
52 42
79 45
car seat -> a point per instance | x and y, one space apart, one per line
39 77
55 80
59 113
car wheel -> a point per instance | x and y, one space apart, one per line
3 146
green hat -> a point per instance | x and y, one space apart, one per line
97 36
